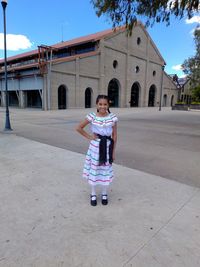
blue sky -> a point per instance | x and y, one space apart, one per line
34 22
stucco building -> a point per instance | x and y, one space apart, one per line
71 74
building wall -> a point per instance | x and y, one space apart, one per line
169 89
138 61
186 93
97 71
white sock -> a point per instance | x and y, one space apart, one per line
104 189
93 190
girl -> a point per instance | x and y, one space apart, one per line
101 152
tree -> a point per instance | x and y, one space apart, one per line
191 66
196 94
126 12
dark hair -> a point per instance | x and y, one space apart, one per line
102 97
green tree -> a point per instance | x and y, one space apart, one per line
196 94
191 66
126 12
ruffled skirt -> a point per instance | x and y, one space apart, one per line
93 172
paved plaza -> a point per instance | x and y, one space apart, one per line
46 219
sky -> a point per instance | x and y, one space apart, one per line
30 23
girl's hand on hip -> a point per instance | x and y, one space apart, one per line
93 137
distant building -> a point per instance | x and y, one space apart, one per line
186 92
184 88
71 74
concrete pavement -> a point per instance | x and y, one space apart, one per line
46 219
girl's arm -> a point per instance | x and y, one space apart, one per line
114 137
80 129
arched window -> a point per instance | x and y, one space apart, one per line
165 100
138 41
137 69
152 93
115 64
172 100
62 97
135 90
88 97
113 93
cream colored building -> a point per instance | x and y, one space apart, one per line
71 74
185 91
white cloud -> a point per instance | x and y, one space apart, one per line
15 42
195 19
177 67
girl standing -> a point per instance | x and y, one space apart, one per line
101 153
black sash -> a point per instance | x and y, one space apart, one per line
103 149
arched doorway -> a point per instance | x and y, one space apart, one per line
135 89
152 93
88 97
165 100
172 100
62 97
113 93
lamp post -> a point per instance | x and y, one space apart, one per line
160 104
7 123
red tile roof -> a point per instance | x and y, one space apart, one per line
84 39
88 38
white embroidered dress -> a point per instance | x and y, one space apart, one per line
93 172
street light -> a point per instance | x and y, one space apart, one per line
160 104
7 123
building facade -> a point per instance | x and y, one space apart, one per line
71 74
185 90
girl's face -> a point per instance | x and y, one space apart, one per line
102 106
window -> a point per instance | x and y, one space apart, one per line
138 41
154 73
137 69
115 64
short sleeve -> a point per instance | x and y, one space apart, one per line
114 118
90 117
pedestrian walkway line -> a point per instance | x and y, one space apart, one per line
162 227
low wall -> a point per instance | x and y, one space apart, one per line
180 107
186 107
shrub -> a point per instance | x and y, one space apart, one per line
180 102
195 103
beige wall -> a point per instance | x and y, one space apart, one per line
97 71
84 84
68 81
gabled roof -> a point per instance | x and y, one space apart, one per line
179 81
81 40
183 81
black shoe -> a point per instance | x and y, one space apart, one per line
104 199
93 200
